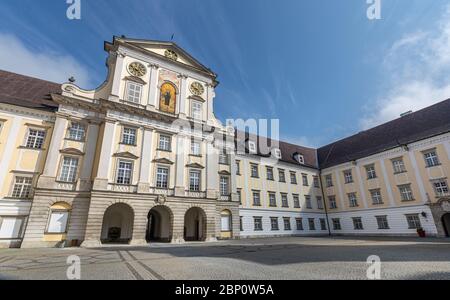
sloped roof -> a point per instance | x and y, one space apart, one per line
265 146
425 123
27 91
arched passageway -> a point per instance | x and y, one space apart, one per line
195 224
117 224
159 226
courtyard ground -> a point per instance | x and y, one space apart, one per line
253 259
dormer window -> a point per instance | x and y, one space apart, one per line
299 158
252 147
134 91
277 153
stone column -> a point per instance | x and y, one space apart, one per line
233 188
104 165
183 93
212 171
153 87
210 103
180 165
146 157
90 146
117 80
51 164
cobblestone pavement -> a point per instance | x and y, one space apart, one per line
271 258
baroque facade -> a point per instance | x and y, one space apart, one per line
143 158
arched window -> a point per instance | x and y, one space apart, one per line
225 217
59 217
167 98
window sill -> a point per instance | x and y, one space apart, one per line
66 182
30 148
402 172
125 144
437 165
75 140
163 150
196 155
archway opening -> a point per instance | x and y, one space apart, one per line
159 225
118 224
446 224
226 224
195 224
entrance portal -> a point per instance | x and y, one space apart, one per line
117 224
159 226
446 224
195 225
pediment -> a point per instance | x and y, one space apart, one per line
160 48
224 172
195 166
163 161
135 79
71 151
126 155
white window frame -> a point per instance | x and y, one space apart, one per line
329 180
129 136
159 182
406 193
319 200
125 171
224 184
76 131
224 158
22 190
281 175
377 198
13 228
431 158
336 224
371 172
382 222
35 138
164 142
195 182
272 199
195 148
441 187
274 225
296 200
196 112
251 170
269 170
398 165
284 200
72 169
308 202
63 230
332 202
136 89
352 199
258 221
348 176
256 193
413 221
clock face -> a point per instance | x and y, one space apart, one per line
171 54
137 69
197 88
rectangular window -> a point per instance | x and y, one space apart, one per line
316 182
296 199
11 227
308 202
281 175
305 180
348 177
224 186
332 201
352 200
382 222
336 224
129 136
196 112
272 199
319 202
376 197
22 187
69 169
35 138
287 223
441 187
357 223
162 177
299 223
134 91
323 224
274 223
413 221
241 225
76 131
256 198
406 192
194 180
371 173
258 223
398 165
254 170
293 177
223 157
238 167
239 193
164 142
269 172
195 148
431 158
124 172
329 180
58 222
284 200
311 223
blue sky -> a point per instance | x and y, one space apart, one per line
320 66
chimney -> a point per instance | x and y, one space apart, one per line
406 113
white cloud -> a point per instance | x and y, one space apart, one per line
417 68
48 65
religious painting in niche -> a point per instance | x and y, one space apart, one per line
167 100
